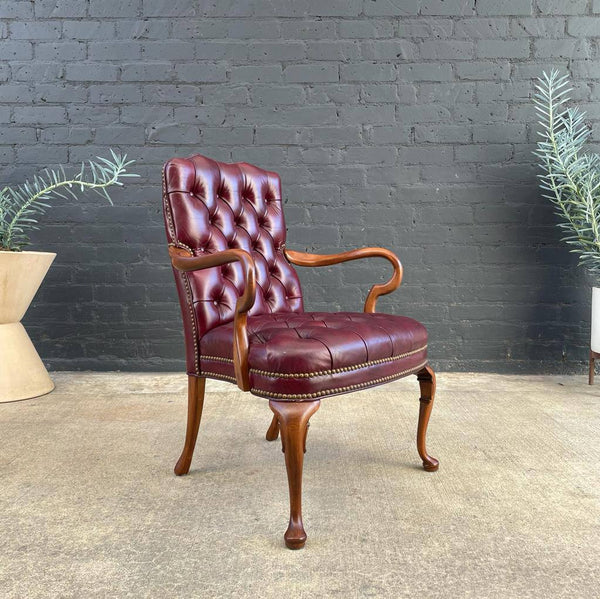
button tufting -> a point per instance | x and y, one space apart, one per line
319 345
241 217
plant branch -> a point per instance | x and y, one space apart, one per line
20 205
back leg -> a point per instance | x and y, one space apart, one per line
273 431
426 379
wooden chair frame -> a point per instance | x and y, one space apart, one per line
291 418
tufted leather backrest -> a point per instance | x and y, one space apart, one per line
211 206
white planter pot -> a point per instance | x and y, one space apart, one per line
595 343
22 373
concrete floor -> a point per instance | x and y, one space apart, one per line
89 506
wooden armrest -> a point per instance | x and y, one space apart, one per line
181 260
305 259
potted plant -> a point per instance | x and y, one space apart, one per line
22 373
571 180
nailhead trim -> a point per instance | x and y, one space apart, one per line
324 392
355 387
304 375
188 293
217 359
167 206
218 375
183 275
178 244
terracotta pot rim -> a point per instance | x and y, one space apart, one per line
28 252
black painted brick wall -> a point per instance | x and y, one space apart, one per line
406 124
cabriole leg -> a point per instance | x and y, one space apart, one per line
293 420
195 402
273 431
426 379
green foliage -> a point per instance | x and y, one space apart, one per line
570 179
20 206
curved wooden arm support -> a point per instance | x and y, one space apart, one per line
181 260
305 259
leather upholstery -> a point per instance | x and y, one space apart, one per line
211 206
313 354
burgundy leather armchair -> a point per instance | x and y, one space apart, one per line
244 319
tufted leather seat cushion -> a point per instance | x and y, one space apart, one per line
316 354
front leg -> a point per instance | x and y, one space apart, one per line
196 387
426 379
293 420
